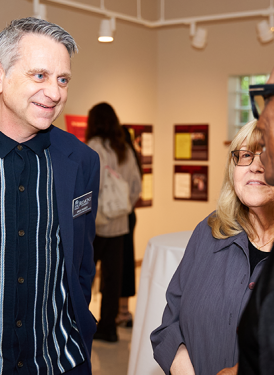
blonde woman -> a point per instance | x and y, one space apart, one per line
223 259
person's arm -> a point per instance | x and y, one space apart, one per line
181 364
133 177
229 370
96 145
167 338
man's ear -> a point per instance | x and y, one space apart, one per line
2 74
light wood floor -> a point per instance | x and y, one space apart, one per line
111 358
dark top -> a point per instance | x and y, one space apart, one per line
256 329
37 329
255 256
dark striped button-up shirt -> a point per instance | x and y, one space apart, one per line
38 332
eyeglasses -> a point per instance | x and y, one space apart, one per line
243 158
258 95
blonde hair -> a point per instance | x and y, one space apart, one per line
232 216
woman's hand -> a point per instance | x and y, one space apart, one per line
229 370
181 364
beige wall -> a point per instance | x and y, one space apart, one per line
192 88
156 77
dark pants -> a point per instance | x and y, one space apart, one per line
109 250
128 275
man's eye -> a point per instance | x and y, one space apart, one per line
39 75
63 80
266 100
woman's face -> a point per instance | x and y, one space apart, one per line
250 185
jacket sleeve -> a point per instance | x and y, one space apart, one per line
168 336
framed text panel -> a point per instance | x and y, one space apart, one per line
142 139
191 142
190 182
146 197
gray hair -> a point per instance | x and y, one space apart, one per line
12 34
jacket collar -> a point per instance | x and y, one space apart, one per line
62 144
65 174
240 240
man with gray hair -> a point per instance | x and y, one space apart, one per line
49 185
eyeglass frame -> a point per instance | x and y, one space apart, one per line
254 154
265 91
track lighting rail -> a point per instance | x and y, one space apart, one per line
162 22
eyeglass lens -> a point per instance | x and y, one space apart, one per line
243 157
259 103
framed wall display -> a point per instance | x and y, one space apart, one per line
76 125
191 142
191 182
145 199
142 139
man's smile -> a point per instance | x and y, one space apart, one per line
44 106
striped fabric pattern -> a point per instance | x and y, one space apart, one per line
38 332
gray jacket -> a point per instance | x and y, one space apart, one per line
205 300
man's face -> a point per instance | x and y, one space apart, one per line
33 93
266 125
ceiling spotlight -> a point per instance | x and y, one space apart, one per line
199 38
106 30
264 30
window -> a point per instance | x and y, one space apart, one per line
239 108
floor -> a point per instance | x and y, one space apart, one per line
111 358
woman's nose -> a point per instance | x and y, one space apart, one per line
256 165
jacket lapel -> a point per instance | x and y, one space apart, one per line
65 173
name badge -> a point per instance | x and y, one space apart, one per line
81 205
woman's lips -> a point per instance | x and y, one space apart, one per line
255 182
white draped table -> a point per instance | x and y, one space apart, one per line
162 257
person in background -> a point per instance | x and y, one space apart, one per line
223 259
105 135
46 253
124 317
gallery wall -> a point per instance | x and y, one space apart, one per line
155 76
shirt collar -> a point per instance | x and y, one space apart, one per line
240 239
6 145
37 144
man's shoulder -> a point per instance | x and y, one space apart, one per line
68 143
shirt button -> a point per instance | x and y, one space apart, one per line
19 147
21 280
19 323
20 364
21 188
21 233
251 285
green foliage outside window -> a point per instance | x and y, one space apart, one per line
239 107
244 107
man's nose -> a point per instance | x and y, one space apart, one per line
52 91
